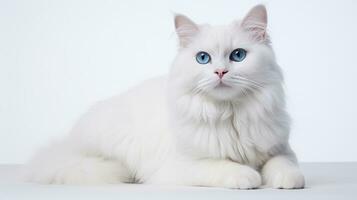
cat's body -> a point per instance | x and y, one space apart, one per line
189 128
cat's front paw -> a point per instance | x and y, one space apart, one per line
286 179
243 177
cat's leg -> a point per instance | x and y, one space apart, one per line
283 172
208 172
61 164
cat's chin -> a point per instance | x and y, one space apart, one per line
224 92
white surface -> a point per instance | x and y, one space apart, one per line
324 181
58 57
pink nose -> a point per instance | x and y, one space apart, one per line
220 72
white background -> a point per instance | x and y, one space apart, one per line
59 57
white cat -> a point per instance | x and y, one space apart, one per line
217 120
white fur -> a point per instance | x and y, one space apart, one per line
187 129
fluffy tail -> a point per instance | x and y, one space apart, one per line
61 163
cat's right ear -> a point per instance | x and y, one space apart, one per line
186 29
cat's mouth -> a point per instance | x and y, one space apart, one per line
222 85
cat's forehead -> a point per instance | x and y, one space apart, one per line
221 38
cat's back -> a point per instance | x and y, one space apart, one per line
140 112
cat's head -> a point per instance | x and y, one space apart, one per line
224 62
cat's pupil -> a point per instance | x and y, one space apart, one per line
238 53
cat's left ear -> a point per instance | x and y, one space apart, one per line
186 29
255 22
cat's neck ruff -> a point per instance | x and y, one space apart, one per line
238 130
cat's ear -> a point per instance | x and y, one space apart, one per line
186 29
255 22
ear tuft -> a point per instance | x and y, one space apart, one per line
185 29
256 22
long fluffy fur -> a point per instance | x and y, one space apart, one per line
186 129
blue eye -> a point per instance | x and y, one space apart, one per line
238 55
203 57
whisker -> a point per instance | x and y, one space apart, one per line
203 84
244 84
250 80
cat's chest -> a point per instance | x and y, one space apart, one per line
223 140
244 133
